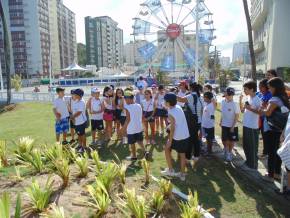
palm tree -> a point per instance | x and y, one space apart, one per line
6 52
251 44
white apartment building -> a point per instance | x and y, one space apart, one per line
241 53
271 28
131 54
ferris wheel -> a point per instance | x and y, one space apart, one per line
165 34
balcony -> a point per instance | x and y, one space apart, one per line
259 47
259 12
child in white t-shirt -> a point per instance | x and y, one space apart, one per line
133 125
178 138
229 119
208 119
96 109
79 119
60 109
251 123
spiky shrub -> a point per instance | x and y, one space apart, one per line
108 175
166 188
3 153
24 147
191 208
83 164
54 212
35 160
5 206
53 152
122 172
97 161
146 167
17 175
38 197
157 202
61 168
133 205
99 197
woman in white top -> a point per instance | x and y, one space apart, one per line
119 105
161 112
148 116
96 109
108 115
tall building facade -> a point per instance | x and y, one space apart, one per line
34 29
104 42
270 23
67 35
131 54
241 53
225 62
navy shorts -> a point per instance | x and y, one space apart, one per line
180 146
61 126
208 133
97 125
133 138
122 120
161 113
81 129
227 135
118 113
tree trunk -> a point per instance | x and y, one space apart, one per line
6 42
251 44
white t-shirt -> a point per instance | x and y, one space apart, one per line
181 129
229 110
96 105
61 106
135 124
251 119
181 94
160 101
148 106
79 106
207 115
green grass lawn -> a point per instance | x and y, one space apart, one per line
219 186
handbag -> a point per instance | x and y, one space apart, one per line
278 120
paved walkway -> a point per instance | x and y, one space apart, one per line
254 176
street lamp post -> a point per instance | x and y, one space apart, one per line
197 41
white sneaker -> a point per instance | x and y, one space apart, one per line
229 157
195 158
181 176
168 172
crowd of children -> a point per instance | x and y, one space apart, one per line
186 113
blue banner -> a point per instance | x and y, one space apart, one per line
168 63
141 27
205 36
147 51
189 57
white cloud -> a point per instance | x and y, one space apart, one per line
228 16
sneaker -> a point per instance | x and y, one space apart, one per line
268 178
195 158
168 172
146 155
80 150
64 142
147 142
229 157
181 176
131 158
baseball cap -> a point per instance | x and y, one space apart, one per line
59 89
154 86
128 94
229 91
95 90
79 92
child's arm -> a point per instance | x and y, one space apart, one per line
57 115
242 106
235 121
172 129
89 106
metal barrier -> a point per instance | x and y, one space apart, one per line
31 96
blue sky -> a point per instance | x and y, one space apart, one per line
228 16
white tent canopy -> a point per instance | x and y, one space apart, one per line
74 68
120 75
